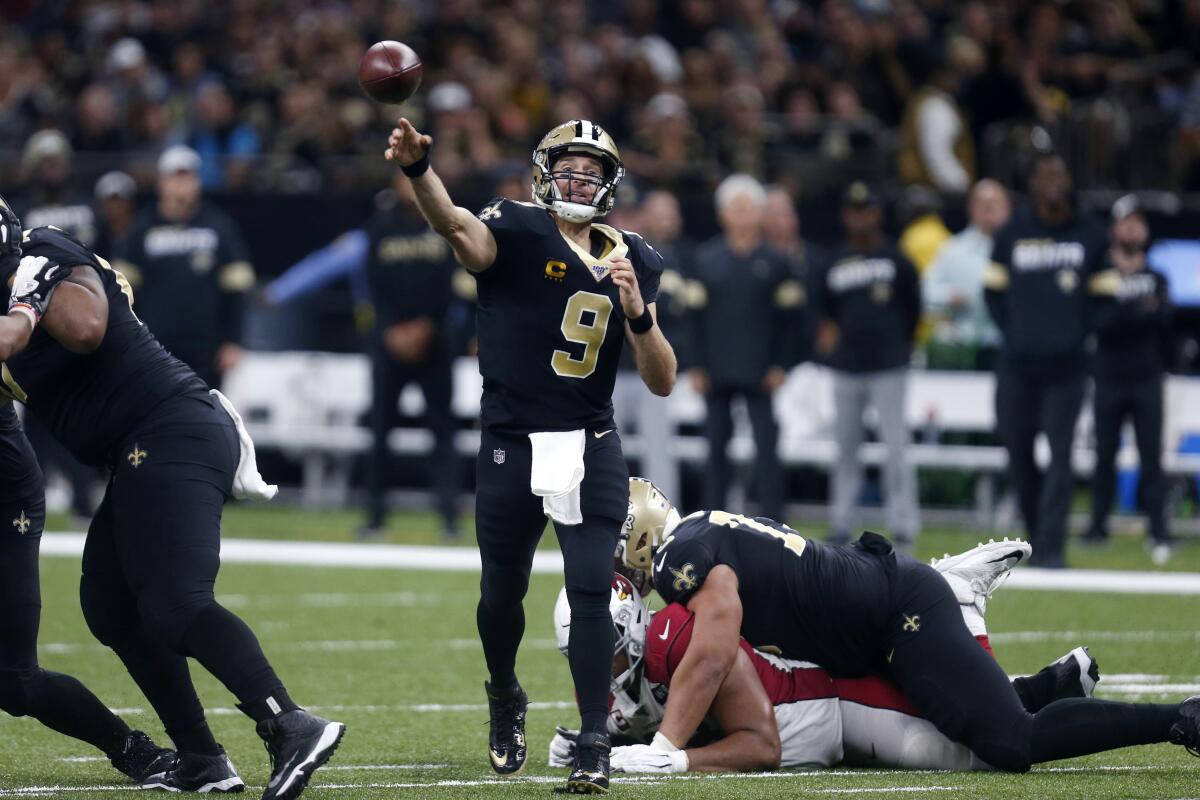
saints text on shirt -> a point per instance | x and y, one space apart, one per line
1037 254
170 240
857 273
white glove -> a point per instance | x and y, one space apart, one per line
562 747
647 758
33 284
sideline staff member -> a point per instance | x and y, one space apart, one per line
1128 371
1036 288
188 265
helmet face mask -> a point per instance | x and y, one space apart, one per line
576 137
650 520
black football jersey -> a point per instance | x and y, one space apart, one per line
19 472
820 603
89 401
549 321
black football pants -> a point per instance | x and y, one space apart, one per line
388 379
151 559
1114 402
509 522
965 693
1026 405
718 427
58 701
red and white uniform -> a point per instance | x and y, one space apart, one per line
822 720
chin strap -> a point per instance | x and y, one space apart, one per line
574 212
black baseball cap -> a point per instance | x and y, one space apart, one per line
860 193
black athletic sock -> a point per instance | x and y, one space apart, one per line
500 632
63 704
197 740
590 652
1036 691
1079 726
227 648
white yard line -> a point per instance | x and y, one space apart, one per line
466 559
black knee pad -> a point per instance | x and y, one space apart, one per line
14 698
112 623
502 588
588 604
166 617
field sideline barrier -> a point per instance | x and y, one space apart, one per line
311 405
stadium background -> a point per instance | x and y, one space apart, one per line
807 95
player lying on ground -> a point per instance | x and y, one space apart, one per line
85 366
772 712
58 701
859 610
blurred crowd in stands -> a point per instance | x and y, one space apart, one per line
800 92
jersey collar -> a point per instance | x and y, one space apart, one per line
600 267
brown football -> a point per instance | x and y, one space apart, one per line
389 72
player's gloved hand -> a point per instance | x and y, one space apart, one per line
33 284
647 758
562 747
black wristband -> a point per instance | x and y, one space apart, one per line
418 167
643 323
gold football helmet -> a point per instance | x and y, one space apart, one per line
586 138
650 520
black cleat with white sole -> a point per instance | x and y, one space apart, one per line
506 736
298 743
139 757
589 775
198 773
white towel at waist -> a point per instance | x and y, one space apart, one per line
247 483
557 473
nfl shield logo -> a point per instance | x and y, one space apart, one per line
498 456
599 271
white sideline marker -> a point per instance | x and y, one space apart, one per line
466 559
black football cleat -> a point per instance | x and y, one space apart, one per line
198 773
506 738
1187 730
1075 674
590 773
298 743
139 757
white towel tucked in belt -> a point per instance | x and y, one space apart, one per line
557 473
247 483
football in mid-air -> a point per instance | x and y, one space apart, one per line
390 72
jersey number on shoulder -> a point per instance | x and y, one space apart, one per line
122 281
584 322
792 541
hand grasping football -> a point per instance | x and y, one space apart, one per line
390 72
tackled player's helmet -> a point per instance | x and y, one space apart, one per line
648 523
577 136
631 620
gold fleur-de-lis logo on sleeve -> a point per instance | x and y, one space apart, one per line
136 456
22 523
685 579
912 624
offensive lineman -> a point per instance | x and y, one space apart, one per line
84 364
60 702
861 609
558 293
